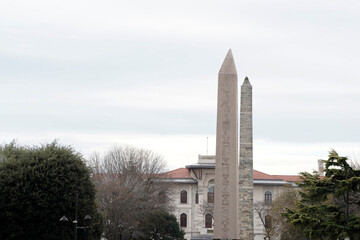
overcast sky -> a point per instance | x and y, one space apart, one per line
93 74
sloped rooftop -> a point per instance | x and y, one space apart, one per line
263 176
178 173
289 178
259 177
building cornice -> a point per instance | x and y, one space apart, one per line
179 180
202 165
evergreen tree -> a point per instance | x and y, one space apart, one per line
38 186
330 206
160 224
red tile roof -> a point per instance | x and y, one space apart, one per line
184 173
289 178
179 173
263 176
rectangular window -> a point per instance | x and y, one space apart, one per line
268 198
183 197
210 194
210 197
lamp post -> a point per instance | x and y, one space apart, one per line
152 235
63 222
87 224
87 219
131 230
76 215
121 228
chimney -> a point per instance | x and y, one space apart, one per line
321 167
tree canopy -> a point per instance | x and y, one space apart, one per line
129 185
161 224
38 186
330 206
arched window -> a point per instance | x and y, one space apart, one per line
268 222
183 219
196 197
208 221
210 195
183 196
268 198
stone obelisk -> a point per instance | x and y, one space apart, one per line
226 168
246 217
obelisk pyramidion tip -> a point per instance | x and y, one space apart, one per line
228 66
246 81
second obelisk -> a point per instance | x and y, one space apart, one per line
226 168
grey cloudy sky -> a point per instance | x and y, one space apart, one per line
97 73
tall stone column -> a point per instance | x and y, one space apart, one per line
226 168
246 217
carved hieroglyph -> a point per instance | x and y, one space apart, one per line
226 169
246 219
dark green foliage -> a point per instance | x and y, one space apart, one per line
38 186
163 223
329 207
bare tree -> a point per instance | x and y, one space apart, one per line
282 229
275 224
129 186
269 223
355 162
206 207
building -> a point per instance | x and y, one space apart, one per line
194 195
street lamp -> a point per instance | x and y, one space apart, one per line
63 222
87 224
87 221
121 228
152 235
131 230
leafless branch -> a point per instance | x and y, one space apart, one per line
126 180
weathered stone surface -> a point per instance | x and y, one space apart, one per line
226 169
246 220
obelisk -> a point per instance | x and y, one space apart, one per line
226 168
246 217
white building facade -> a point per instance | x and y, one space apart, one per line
194 196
